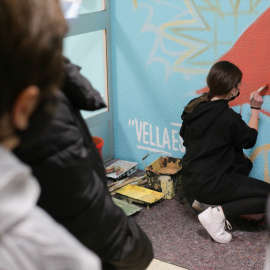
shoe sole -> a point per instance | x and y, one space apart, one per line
204 223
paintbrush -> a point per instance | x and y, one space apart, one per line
259 90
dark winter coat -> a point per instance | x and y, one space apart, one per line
71 173
214 136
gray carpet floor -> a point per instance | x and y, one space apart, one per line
178 238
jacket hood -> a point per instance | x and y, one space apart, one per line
204 115
19 191
79 90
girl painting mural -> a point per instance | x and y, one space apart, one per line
215 169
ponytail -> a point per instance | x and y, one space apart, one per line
205 97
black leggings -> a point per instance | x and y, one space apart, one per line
249 198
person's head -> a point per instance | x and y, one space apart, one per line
31 40
223 81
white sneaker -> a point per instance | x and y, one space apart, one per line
200 207
213 220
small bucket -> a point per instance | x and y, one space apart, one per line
164 175
99 144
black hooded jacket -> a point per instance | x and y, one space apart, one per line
214 136
73 182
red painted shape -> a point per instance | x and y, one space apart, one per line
251 53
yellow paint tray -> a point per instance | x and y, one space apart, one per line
139 194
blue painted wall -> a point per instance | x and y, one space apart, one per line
162 52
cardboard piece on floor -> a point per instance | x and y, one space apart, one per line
129 209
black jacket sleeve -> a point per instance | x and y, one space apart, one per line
79 90
242 135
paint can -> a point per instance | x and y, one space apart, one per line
164 175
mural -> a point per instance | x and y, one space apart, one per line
197 30
262 150
251 55
155 139
256 73
171 46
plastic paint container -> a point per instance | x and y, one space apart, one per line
99 144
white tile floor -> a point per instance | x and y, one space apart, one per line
159 265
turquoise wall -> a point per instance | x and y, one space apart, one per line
161 54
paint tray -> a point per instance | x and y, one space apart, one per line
132 193
127 166
129 209
164 166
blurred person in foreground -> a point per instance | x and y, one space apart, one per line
31 34
73 182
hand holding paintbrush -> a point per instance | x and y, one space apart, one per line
256 100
